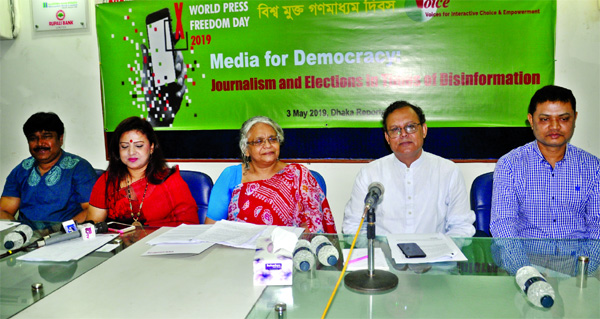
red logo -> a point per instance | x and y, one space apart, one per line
432 3
60 15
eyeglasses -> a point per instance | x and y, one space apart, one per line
261 141
397 131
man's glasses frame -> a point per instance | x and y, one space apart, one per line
411 128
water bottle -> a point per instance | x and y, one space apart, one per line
324 250
304 259
534 285
19 236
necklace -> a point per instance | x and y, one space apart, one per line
136 218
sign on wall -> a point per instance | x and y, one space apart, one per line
59 14
210 65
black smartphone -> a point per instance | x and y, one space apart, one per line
411 250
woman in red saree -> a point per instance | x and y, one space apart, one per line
138 187
264 190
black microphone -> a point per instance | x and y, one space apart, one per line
373 197
54 238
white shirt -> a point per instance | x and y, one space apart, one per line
428 197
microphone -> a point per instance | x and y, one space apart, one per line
374 197
60 237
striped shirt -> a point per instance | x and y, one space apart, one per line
533 200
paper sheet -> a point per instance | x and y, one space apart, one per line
68 250
182 234
6 224
228 233
360 259
240 235
438 248
177 249
233 234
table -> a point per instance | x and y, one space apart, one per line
16 277
214 284
218 284
479 288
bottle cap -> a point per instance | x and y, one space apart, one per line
332 260
9 244
305 266
547 301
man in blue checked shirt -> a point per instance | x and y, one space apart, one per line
548 188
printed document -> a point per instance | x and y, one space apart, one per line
438 248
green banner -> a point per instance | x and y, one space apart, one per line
319 64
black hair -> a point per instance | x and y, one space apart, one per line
551 93
157 170
398 105
44 121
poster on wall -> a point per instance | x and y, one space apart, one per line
210 65
59 14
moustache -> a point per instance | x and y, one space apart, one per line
37 149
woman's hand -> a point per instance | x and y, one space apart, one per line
96 214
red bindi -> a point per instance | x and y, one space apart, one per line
130 141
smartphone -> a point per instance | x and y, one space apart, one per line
411 250
160 35
119 227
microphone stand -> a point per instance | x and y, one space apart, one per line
370 280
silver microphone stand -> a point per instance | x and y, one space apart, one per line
370 280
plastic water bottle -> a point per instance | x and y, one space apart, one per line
19 236
304 259
324 250
534 285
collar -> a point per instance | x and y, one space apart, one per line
416 164
569 151
60 158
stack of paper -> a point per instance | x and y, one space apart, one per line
360 258
68 250
6 224
187 239
438 248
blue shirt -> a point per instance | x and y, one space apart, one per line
557 254
220 195
56 196
533 200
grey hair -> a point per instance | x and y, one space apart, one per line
246 128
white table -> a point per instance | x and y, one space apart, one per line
214 284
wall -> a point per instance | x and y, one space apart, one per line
59 71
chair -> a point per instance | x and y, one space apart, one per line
481 203
320 180
200 185
99 172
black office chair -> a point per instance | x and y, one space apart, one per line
99 172
200 185
320 180
481 203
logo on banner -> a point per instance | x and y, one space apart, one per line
60 15
424 10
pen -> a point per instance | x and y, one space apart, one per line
358 259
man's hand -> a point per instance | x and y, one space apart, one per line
82 216
9 207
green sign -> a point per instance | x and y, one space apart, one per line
208 65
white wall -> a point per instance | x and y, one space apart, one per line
59 71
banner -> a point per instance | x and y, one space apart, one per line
210 65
